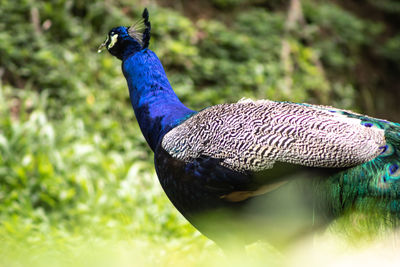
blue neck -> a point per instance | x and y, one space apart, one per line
156 106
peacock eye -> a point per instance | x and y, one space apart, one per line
386 150
370 124
114 38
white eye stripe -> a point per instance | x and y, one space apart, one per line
114 39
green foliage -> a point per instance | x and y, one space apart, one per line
391 48
389 6
75 171
225 4
340 35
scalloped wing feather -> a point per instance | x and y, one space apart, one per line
253 135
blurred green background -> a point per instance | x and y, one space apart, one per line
76 176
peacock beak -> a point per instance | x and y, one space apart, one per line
101 47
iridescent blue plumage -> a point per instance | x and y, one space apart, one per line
259 169
156 106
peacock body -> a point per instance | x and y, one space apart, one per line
259 169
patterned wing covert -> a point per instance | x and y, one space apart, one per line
253 135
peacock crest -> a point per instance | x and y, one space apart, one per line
140 30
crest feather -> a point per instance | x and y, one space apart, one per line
140 30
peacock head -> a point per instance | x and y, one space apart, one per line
123 41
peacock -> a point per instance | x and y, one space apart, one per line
258 169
